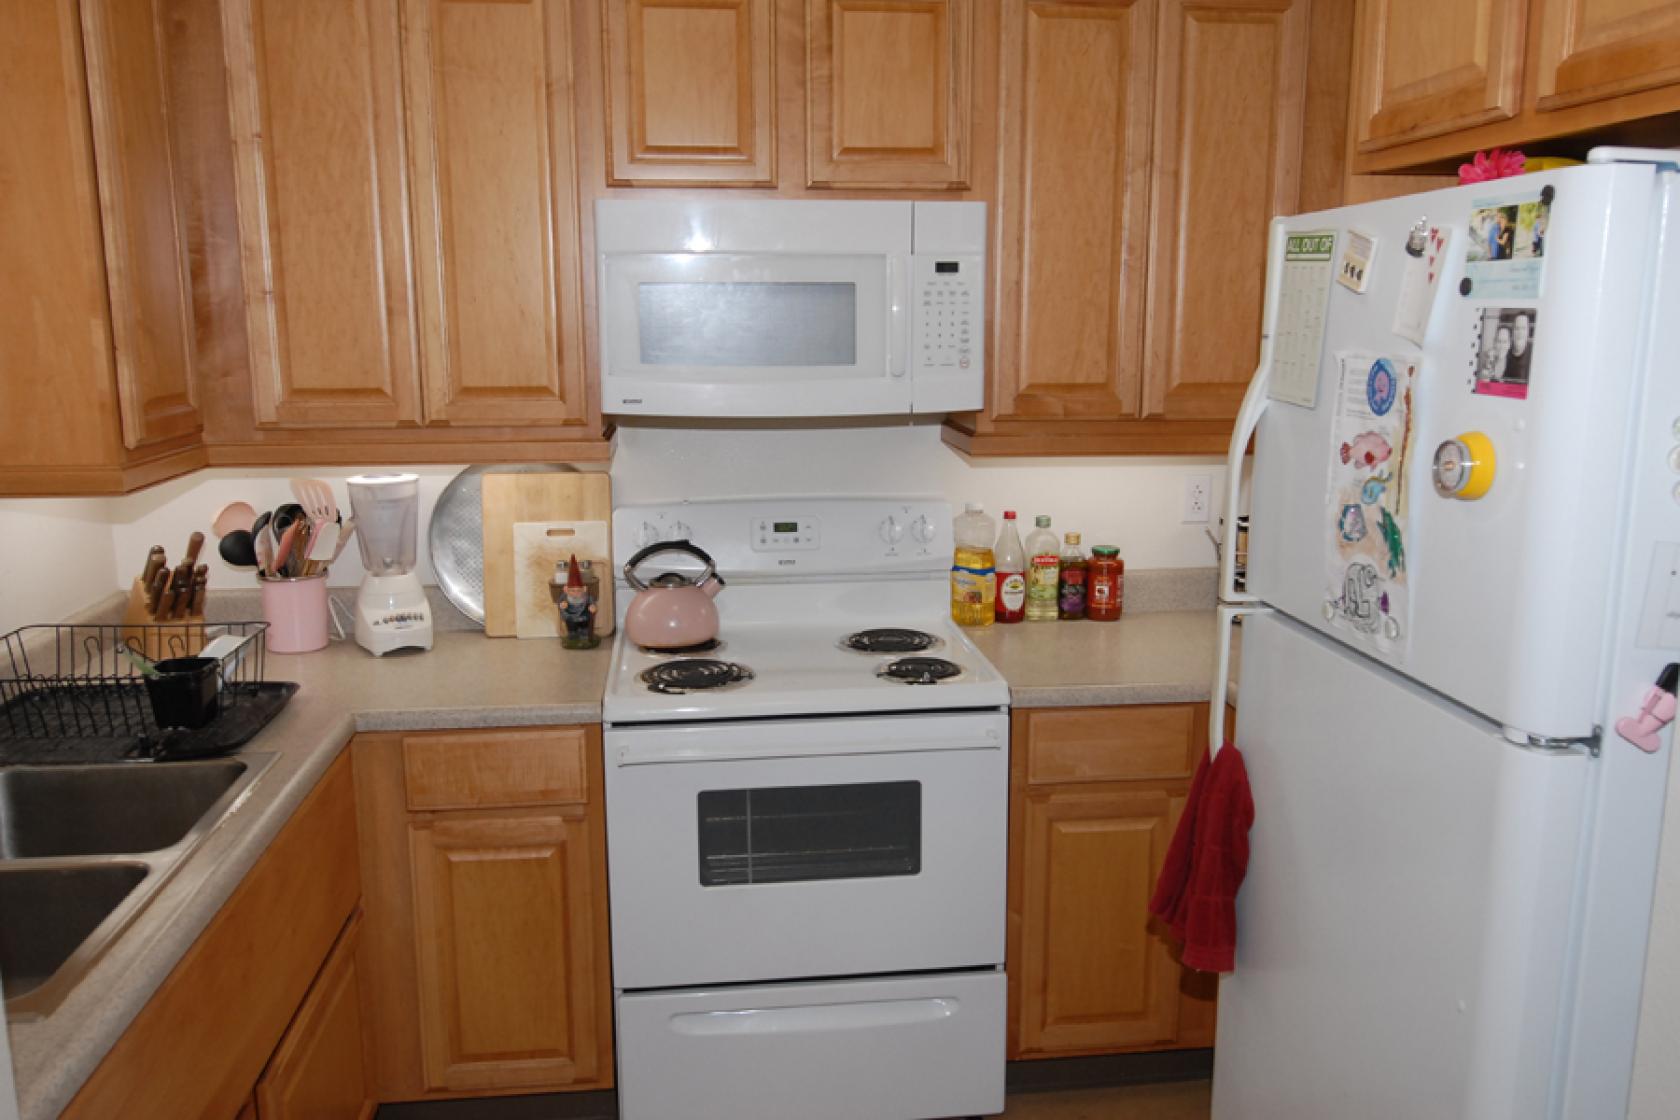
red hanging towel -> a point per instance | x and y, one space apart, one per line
1196 894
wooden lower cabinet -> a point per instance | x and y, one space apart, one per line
486 954
318 1073
1095 794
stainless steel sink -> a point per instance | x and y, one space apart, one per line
83 849
94 810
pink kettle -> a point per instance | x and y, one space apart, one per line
672 611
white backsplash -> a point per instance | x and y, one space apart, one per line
60 555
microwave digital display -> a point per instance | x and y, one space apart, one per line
945 266
786 527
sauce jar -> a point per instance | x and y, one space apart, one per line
1106 582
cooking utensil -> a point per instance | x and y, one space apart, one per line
154 590
283 550
507 500
345 532
238 549
264 544
234 517
142 663
671 611
323 542
537 547
195 545
316 498
155 560
284 517
456 533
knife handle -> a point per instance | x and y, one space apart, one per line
154 563
194 544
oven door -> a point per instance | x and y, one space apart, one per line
754 334
780 849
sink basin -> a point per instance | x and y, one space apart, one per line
84 849
46 915
91 810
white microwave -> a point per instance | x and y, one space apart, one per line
791 308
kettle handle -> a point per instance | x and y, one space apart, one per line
656 548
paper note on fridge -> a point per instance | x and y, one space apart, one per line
1418 285
1298 330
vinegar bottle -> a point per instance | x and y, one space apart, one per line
1011 562
1043 572
1070 596
973 576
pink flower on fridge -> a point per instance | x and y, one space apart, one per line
1497 164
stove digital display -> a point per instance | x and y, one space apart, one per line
787 527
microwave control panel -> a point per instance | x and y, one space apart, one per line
946 301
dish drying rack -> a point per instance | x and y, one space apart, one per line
68 694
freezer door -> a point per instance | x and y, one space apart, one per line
1508 593
1401 934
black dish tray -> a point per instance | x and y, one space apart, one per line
61 724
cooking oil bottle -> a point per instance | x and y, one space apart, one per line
1044 564
973 580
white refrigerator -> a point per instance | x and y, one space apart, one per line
1463 567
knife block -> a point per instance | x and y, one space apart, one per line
158 639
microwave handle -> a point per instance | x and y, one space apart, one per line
898 313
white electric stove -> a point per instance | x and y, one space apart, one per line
807 826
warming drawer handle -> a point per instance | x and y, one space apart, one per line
821 1018
632 755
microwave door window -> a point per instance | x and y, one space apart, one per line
747 325
792 834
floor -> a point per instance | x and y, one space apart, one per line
1176 1100
1170 1100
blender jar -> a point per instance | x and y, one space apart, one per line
387 511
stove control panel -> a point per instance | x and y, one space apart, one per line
774 537
780 534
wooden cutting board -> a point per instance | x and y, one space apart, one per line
537 547
509 499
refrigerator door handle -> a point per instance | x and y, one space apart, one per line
1228 613
1248 417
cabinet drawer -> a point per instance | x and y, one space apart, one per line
1110 744
475 770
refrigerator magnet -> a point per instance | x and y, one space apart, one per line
1505 255
1419 283
1502 351
1359 252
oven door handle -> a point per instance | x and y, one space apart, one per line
822 1018
655 754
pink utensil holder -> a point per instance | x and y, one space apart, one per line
296 612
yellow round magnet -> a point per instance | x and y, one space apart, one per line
1464 466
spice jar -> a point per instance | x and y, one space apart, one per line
1106 582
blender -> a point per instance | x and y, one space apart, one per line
391 608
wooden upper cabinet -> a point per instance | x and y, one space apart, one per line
315 108
505 913
1232 77
494 176
1072 208
890 93
1427 67
145 248
1594 49
691 92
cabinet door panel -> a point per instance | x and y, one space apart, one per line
317 1072
315 99
496 217
691 91
889 92
1072 198
145 249
1427 67
504 918
1593 49
1093 975
1227 159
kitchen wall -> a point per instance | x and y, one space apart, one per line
60 555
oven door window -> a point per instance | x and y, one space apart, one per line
793 834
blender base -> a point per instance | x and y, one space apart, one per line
392 613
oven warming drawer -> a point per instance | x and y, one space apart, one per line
905 1048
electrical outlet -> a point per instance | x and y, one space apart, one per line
1198 496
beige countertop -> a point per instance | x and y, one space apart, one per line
467 680
1162 657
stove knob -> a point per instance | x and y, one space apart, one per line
647 534
922 529
891 531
